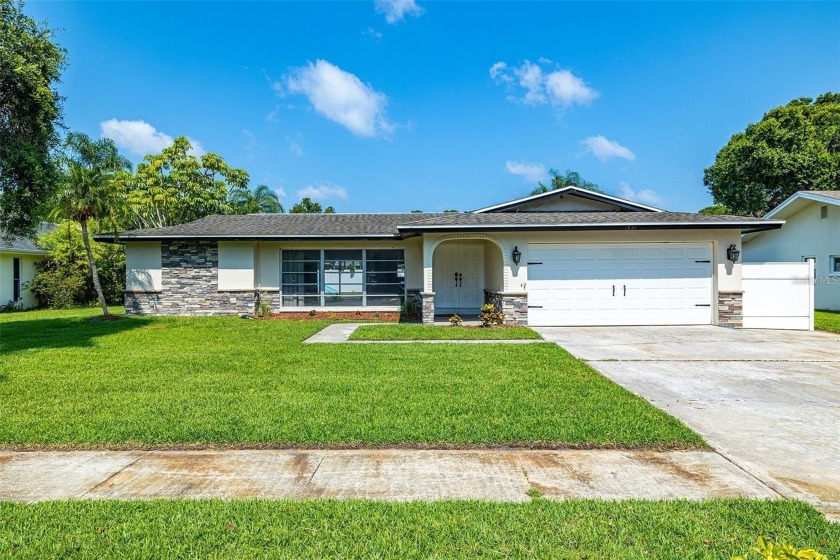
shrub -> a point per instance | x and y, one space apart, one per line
263 304
409 311
780 551
64 279
456 320
491 316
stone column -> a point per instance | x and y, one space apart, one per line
428 308
731 309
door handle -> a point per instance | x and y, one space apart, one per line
460 280
456 279
625 291
613 290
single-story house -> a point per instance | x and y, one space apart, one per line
811 232
566 257
18 257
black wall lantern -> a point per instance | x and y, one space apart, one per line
733 253
516 255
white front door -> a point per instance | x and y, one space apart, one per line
458 277
621 284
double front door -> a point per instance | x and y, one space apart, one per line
458 277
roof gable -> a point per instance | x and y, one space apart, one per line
568 199
799 200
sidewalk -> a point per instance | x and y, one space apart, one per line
340 333
392 474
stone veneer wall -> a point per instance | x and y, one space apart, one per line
428 306
731 309
190 285
514 305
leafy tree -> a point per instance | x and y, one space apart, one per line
715 210
569 178
794 147
30 114
416 211
64 276
309 206
450 211
175 187
261 200
86 190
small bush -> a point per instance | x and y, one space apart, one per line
491 316
456 320
780 551
409 310
263 304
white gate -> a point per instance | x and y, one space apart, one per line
778 295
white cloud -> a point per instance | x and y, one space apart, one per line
280 191
544 85
606 149
644 196
396 10
341 97
141 138
373 34
323 191
532 172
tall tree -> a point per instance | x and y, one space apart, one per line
261 200
30 114
794 147
309 206
176 186
87 191
569 178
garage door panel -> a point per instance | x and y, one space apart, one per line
642 284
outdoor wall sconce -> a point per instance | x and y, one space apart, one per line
516 255
733 253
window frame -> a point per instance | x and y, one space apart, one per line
321 294
833 261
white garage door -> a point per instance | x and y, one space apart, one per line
632 284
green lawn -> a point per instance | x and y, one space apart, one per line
421 332
69 381
714 530
827 321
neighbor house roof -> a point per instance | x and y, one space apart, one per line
800 199
394 226
572 190
19 244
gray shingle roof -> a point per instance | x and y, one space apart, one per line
562 220
828 194
361 226
25 244
281 226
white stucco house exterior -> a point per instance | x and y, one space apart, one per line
18 257
811 232
566 257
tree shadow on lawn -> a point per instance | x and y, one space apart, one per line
69 332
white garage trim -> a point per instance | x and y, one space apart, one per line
620 284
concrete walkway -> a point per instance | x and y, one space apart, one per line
396 474
339 333
769 401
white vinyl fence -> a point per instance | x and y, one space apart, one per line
779 295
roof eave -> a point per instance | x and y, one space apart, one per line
752 226
584 193
164 237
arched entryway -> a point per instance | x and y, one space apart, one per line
463 270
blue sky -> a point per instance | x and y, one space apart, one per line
394 105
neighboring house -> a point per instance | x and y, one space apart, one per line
18 257
565 257
811 232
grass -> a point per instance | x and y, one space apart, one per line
69 381
422 332
827 321
716 529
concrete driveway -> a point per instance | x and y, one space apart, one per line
769 401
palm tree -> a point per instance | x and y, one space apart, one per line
86 190
261 200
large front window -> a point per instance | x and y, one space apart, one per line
343 277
